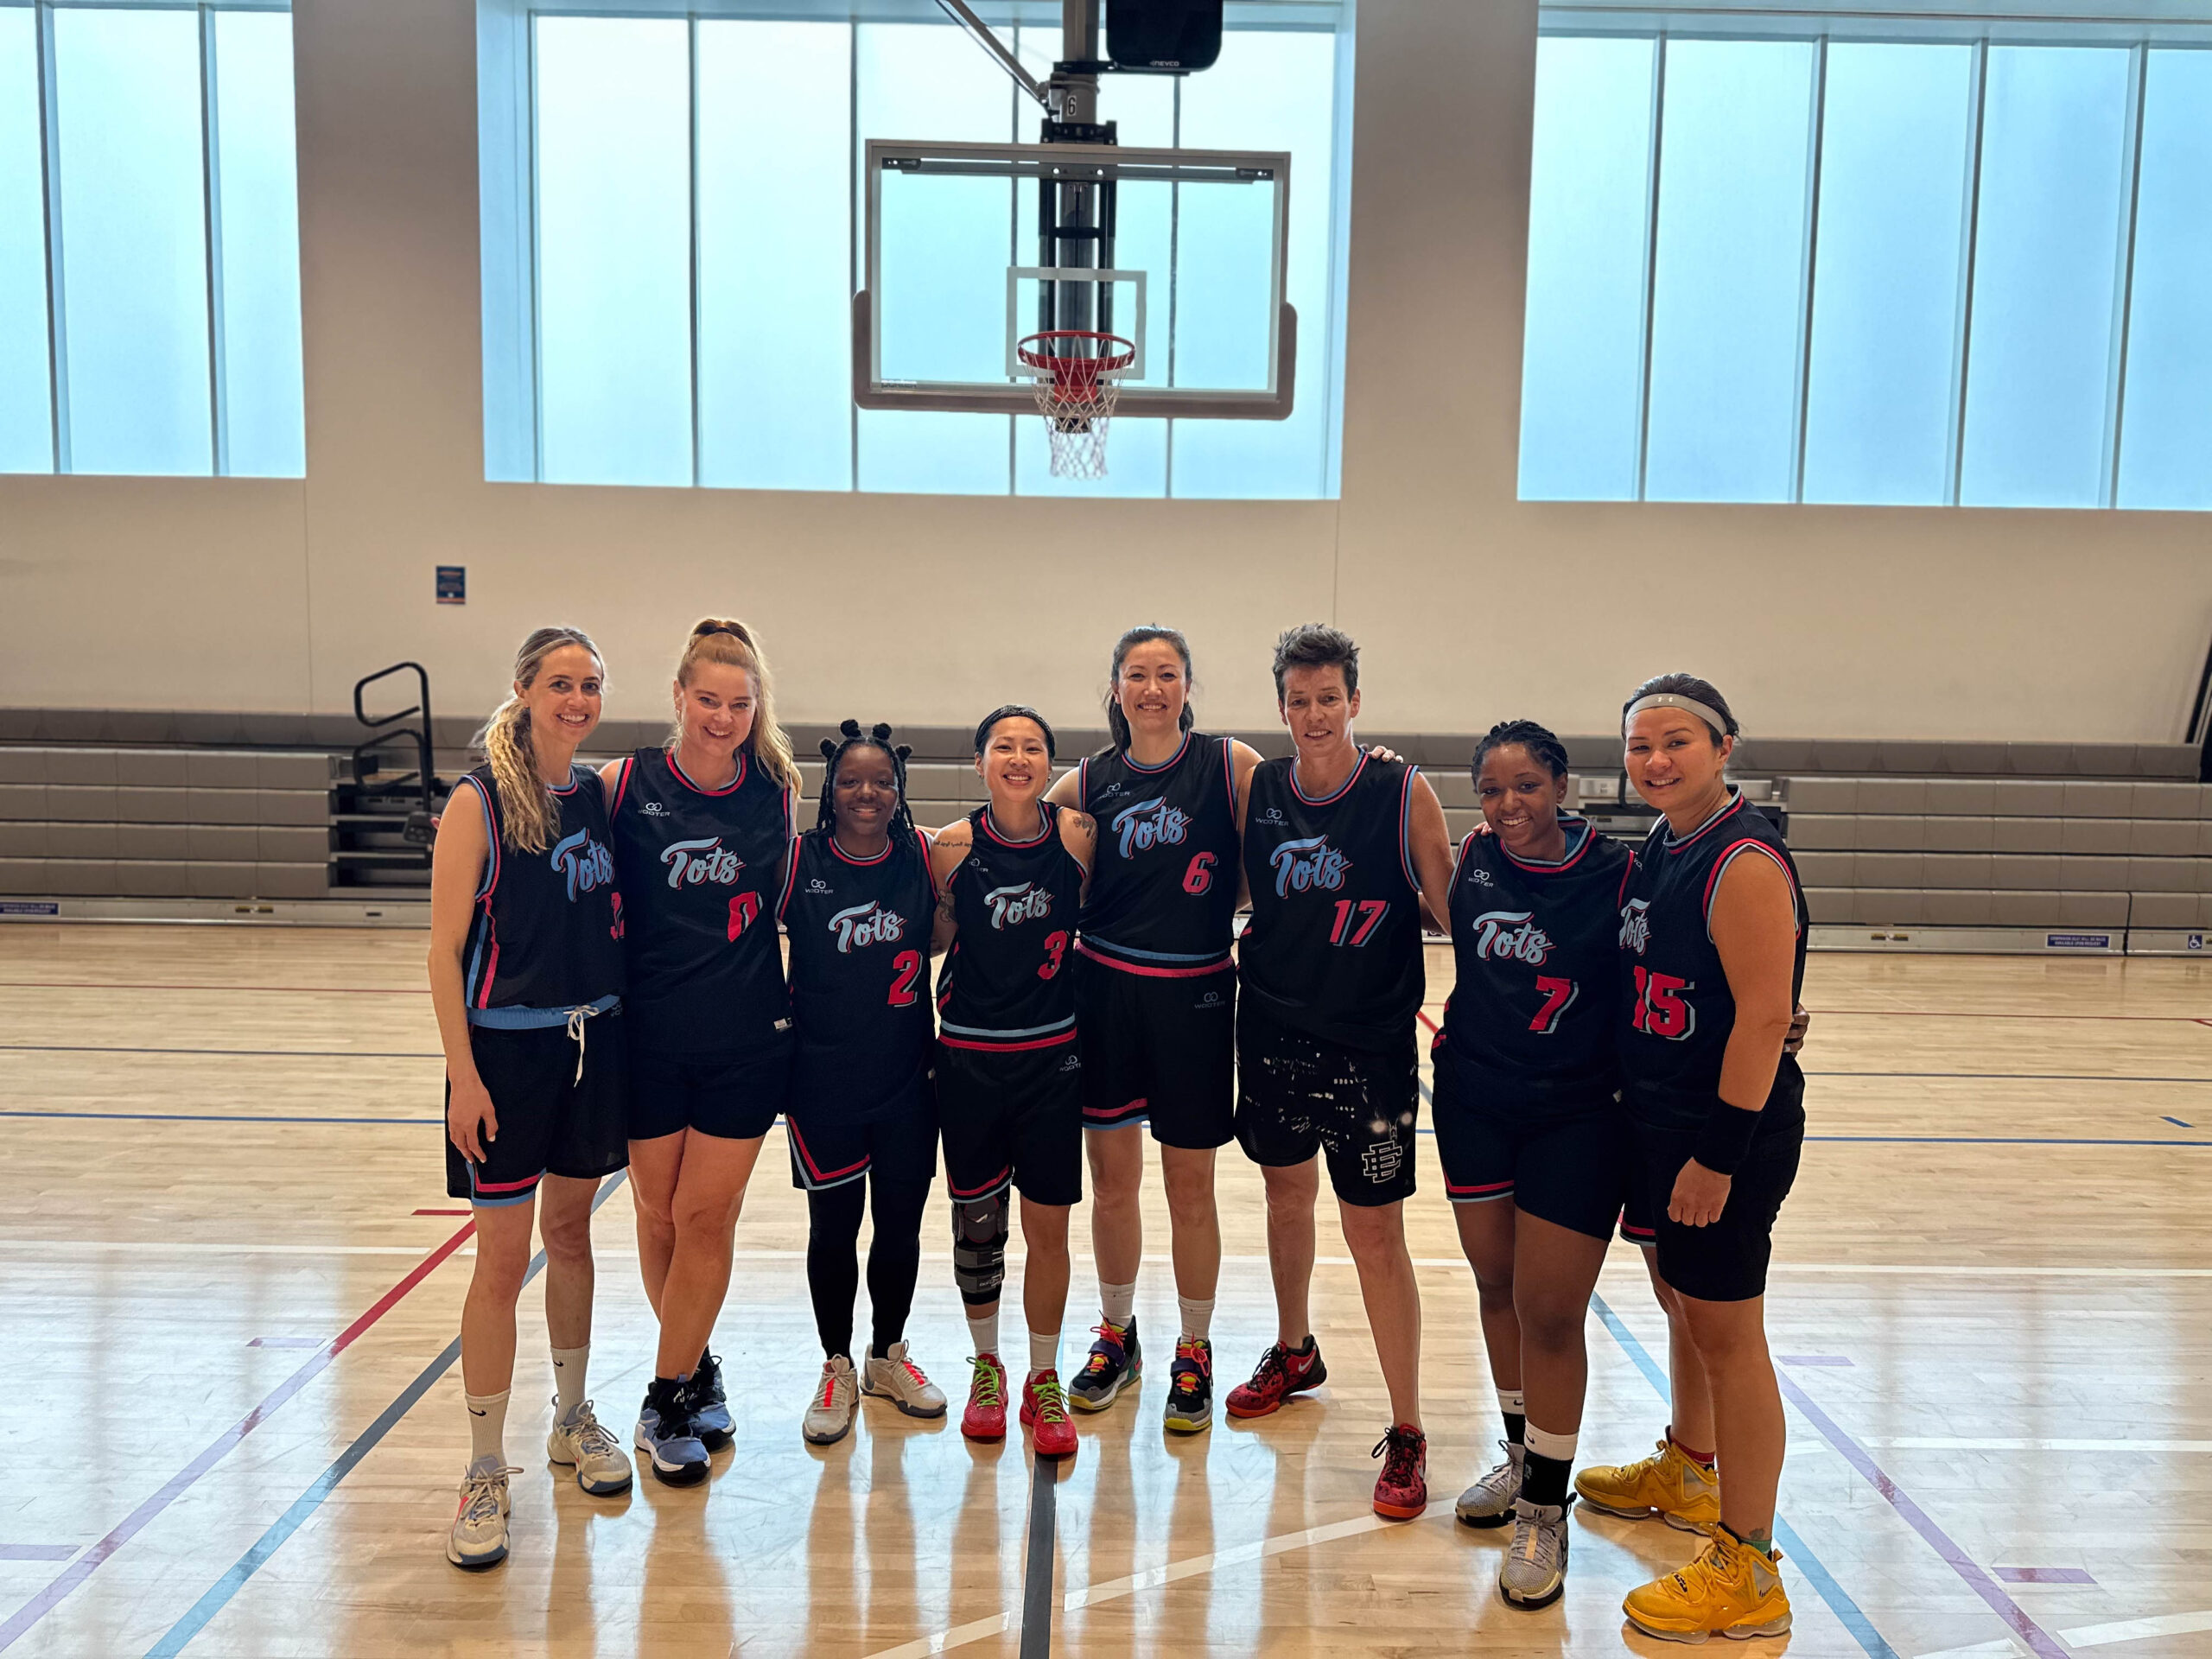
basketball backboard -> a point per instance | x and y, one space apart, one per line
1179 251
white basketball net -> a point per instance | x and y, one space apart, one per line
1075 394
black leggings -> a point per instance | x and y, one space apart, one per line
895 1257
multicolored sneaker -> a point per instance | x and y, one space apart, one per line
898 1379
1730 1590
579 1442
985 1418
1045 1414
1488 1502
709 1408
664 1433
1281 1372
1534 1573
1114 1363
1401 1490
478 1537
1189 1397
836 1398
1675 1487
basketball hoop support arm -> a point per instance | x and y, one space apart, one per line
959 12
1071 95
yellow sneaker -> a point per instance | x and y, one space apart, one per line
1679 1490
1732 1590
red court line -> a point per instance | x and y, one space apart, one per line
1425 1019
136 1521
180 985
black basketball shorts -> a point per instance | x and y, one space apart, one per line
896 1142
731 1096
1726 1260
1567 1162
1159 1050
1297 1095
551 1121
1012 1115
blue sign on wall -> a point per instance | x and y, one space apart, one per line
453 584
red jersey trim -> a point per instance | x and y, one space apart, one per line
1121 966
1045 809
1704 828
1134 765
1729 855
684 778
1334 795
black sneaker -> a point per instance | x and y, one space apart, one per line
1190 1397
709 1408
666 1436
1115 1363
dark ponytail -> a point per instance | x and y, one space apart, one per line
1686 685
1143 634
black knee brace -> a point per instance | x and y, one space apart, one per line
979 1248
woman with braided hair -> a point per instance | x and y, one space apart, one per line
857 903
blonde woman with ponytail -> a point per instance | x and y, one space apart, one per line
702 827
526 978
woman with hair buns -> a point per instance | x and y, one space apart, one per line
702 826
526 981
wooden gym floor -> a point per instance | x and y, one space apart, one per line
230 1282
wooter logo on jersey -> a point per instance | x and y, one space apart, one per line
1011 907
586 864
1150 824
866 925
1301 866
1635 925
690 863
1511 936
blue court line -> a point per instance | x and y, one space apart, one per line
218 1118
2178 1124
252 1053
303 1507
1847 1612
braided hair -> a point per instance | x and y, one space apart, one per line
877 737
1545 749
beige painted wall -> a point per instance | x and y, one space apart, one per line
1821 622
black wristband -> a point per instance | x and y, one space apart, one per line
1725 1140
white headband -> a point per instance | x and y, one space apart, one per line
1673 699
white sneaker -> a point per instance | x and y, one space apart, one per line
898 1379
830 1419
602 1467
1534 1573
1488 1502
479 1535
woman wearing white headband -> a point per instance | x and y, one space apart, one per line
1712 953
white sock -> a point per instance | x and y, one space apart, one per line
1044 1351
984 1331
1198 1316
1545 1444
1510 1402
487 1427
569 1367
1117 1302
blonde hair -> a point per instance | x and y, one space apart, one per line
729 642
526 806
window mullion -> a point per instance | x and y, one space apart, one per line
211 207
1656 155
1962 335
536 260
57 313
1807 278
2123 298
691 50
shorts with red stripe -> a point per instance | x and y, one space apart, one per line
552 1121
1011 1116
895 1142
1159 1049
1569 1161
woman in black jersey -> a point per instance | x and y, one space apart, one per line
526 981
1010 878
1156 997
1713 956
1529 1128
702 827
862 1120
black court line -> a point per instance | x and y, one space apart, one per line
234 1053
221 1592
1037 1596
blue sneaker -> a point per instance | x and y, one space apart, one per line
667 1435
709 1408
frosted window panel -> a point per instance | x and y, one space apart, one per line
918 80
1886 285
2046 258
134 235
2165 456
1269 90
775 252
614 250
258 234
1733 174
26 391
1582 351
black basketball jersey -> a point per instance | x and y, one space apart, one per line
547 928
1678 1007
1004 983
701 869
1163 882
1536 946
1333 949
860 943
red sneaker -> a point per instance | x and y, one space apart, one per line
1282 1372
1045 1414
985 1418
1401 1490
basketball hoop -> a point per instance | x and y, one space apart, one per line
1078 377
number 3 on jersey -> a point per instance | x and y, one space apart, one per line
1056 946
1659 1008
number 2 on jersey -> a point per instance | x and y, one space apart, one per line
908 964
1056 947
1371 912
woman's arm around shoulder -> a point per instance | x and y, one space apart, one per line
949 850
1430 843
